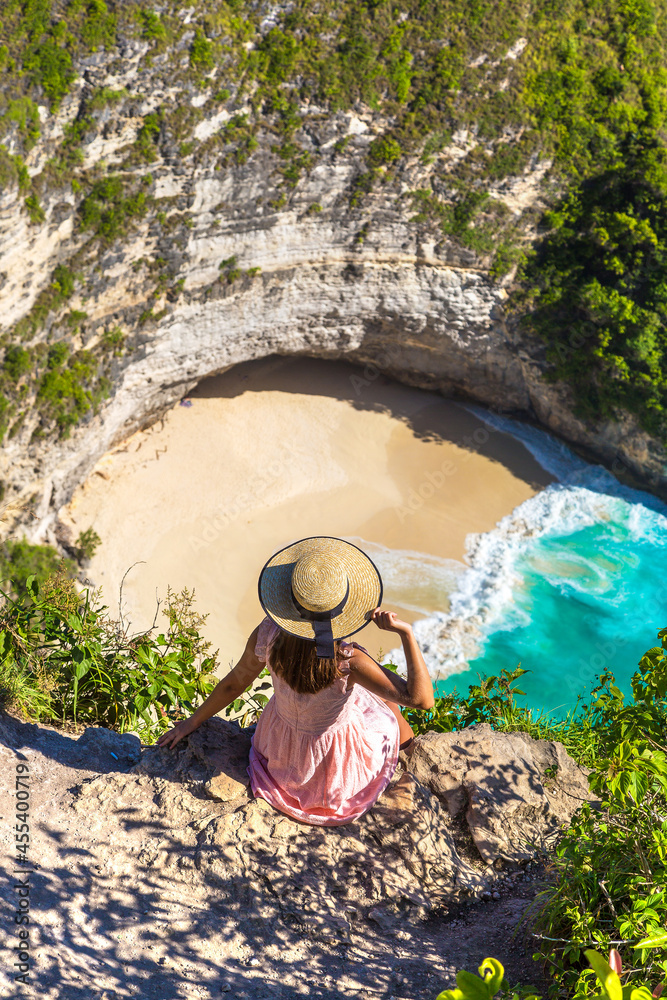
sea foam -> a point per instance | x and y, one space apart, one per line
490 596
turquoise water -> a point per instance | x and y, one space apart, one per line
572 583
581 588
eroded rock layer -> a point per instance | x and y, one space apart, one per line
200 253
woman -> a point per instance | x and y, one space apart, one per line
327 743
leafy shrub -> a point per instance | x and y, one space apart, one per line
610 868
50 65
23 111
109 208
35 210
67 392
18 361
114 340
279 52
62 284
5 411
99 26
75 317
247 709
13 170
594 288
20 560
148 136
87 544
151 25
58 291
384 150
491 981
104 96
76 664
201 52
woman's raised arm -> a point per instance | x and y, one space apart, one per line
224 693
417 690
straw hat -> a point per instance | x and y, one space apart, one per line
320 588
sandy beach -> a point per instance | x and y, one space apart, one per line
276 450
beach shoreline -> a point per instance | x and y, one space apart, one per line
280 449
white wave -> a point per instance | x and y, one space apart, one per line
487 591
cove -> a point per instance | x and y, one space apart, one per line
274 450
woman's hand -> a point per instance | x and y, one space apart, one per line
176 734
389 621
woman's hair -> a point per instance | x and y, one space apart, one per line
295 660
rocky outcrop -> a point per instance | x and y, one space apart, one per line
460 802
515 793
154 870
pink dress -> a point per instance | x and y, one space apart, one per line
322 758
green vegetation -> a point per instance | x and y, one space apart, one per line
603 976
13 170
596 289
53 297
20 560
610 868
201 52
87 544
151 25
63 659
147 137
22 111
66 383
110 206
99 26
606 880
70 387
105 96
35 210
114 340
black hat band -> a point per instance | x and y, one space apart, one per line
321 622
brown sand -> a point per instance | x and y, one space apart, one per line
281 449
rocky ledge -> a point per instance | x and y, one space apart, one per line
159 861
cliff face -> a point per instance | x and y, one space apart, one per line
199 259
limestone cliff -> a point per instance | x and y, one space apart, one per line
204 236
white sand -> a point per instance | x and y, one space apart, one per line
278 450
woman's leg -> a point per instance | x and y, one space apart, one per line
404 730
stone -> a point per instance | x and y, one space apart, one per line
97 745
224 788
386 921
215 756
514 793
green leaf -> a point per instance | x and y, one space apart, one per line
472 986
641 993
655 941
493 973
609 980
81 669
5 645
